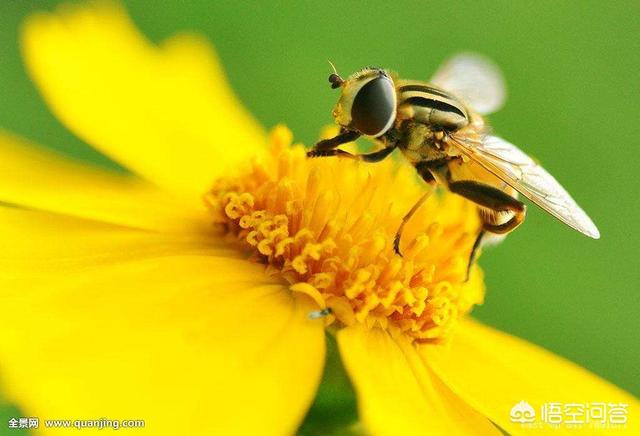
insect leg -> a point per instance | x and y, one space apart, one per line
495 200
487 196
376 156
329 144
474 251
427 177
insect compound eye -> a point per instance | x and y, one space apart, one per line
373 108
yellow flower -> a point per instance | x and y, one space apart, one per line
129 297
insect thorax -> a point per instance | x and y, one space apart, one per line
419 142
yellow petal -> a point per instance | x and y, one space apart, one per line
165 112
493 371
35 178
41 248
190 343
396 393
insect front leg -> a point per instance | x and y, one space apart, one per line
326 146
495 200
376 156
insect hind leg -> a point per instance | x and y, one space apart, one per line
496 201
487 196
474 252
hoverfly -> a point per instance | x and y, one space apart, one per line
440 129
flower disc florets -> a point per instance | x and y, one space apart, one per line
326 226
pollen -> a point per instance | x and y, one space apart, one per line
326 227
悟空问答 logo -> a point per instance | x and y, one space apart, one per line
522 412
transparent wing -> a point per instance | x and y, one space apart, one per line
475 79
510 164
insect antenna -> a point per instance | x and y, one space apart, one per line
335 79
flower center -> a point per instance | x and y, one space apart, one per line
326 226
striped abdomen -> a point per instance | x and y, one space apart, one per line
431 105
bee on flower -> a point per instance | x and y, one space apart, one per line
180 292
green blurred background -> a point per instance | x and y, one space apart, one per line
574 101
